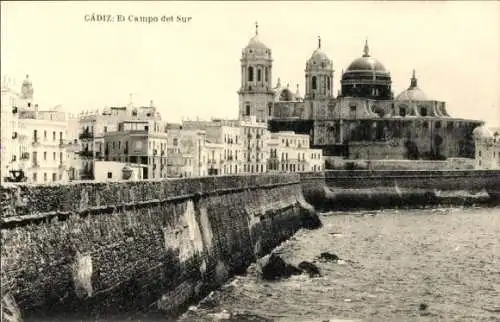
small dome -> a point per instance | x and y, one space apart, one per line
413 93
255 41
318 55
27 80
482 132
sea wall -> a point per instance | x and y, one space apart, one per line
374 189
85 249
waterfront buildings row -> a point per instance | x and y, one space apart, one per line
41 146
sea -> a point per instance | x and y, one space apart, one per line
396 265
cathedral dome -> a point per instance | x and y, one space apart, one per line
482 132
366 63
413 93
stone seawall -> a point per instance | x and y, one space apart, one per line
374 189
108 248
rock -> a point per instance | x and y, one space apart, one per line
310 268
276 268
310 219
329 257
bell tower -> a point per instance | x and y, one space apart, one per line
319 75
255 94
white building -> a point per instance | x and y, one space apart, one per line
38 137
185 151
290 152
93 126
9 151
487 141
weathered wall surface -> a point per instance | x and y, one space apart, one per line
117 247
470 180
347 189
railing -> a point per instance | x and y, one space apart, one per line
86 135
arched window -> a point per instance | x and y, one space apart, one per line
328 83
250 74
266 74
314 83
259 75
247 110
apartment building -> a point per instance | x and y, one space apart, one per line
139 143
291 152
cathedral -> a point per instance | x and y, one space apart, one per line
365 120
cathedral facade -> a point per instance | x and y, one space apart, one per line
365 120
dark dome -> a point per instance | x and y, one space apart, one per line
366 63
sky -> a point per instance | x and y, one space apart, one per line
192 69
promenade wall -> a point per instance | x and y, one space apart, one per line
88 249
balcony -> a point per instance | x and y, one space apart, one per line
86 135
87 153
35 142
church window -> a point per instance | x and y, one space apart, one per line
314 82
259 75
250 74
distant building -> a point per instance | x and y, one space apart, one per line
290 152
487 147
93 126
140 143
37 143
116 171
364 121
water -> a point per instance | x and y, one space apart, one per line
395 261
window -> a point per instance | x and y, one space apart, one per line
60 136
353 108
54 156
105 129
110 175
250 74
438 124
54 177
45 155
247 109
54 136
259 75
266 74
34 177
45 135
35 136
45 176
328 82
314 83
270 108
60 157
423 111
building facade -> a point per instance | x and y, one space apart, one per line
37 150
139 143
487 147
290 152
364 121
